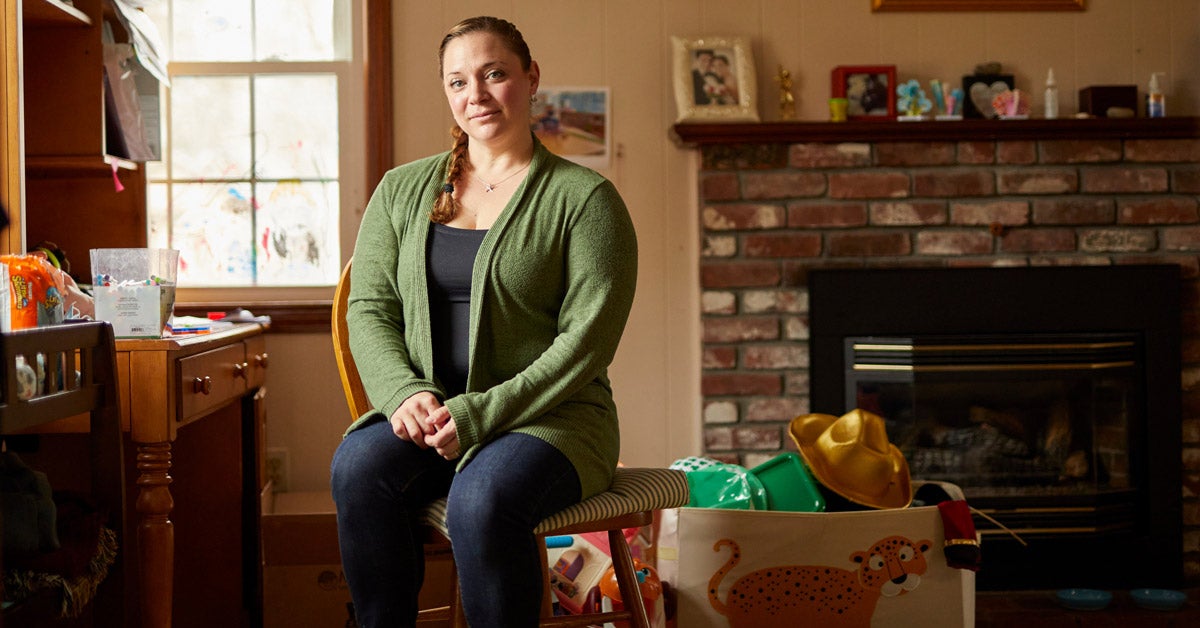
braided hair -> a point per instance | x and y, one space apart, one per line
445 207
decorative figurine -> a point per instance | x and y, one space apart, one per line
787 102
912 102
1011 105
982 87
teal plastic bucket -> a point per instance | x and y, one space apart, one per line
790 487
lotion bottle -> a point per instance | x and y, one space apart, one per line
1155 100
1051 104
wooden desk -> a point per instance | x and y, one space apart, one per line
165 385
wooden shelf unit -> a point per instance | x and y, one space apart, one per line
53 12
58 180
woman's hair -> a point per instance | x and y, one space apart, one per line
445 207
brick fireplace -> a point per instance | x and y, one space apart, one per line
780 199
1053 406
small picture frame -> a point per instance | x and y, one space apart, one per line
714 79
869 90
574 122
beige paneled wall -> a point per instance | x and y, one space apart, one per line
625 45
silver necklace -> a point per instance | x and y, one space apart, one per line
488 187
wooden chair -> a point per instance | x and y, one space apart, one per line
629 503
90 347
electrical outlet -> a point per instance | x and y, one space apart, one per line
277 468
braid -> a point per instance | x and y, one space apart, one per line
445 207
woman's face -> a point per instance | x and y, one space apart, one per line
486 86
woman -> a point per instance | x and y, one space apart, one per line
490 288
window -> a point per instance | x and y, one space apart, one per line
259 135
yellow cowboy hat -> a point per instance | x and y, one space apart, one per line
851 456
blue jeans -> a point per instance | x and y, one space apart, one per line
381 482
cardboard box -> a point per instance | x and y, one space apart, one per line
303 581
761 568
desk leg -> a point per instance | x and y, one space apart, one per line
156 534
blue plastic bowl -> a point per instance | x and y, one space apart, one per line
1084 599
1158 599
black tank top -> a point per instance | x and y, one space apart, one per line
450 256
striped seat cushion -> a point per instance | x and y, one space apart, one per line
632 490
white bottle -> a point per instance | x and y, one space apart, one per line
1155 100
1051 104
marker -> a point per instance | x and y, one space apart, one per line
560 541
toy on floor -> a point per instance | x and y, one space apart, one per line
649 585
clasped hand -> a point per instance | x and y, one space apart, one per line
425 422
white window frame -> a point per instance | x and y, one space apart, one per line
353 192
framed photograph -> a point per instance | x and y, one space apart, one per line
870 91
573 122
714 79
977 5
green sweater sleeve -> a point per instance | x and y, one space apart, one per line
386 335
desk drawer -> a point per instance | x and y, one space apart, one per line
210 379
258 360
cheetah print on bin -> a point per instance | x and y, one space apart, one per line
817 595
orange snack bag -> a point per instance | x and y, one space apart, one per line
35 291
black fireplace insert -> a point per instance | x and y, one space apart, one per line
1050 395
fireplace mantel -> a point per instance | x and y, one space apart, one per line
695 134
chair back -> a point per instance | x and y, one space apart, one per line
80 363
356 397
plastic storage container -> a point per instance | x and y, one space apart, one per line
134 289
790 487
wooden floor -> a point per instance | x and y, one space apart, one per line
1039 609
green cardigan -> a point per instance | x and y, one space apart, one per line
551 290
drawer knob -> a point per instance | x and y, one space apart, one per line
261 360
239 370
202 385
